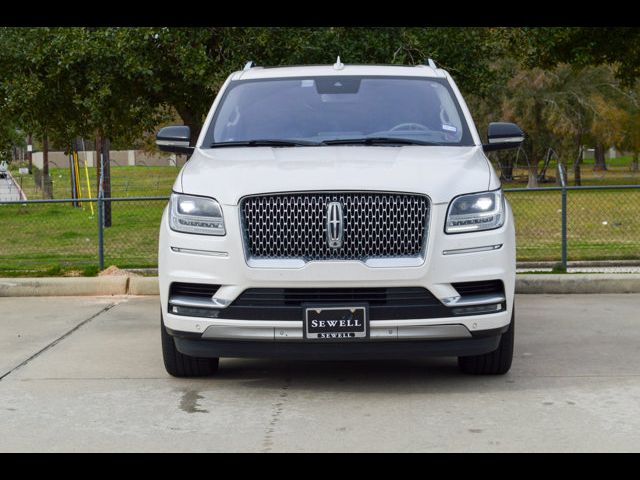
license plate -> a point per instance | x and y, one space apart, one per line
336 323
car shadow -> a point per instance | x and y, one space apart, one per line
375 376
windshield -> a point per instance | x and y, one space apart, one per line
327 108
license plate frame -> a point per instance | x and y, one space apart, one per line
336 313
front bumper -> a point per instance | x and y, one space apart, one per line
338 351
448 259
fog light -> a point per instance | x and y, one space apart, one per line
478 309
194 312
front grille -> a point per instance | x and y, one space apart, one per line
289 303
375 225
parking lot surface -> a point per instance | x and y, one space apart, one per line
8 190
86 374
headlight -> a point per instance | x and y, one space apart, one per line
191 214
472 213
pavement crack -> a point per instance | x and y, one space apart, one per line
276 414
58 340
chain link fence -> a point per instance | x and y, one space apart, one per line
51 237
602 223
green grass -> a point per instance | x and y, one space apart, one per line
56 239
139 181
601 225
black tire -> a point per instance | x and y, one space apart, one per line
180 365
497 362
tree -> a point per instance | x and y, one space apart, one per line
117 84
177 67
525 103
32 85
563 108
184 67
10 136
118 79
585 106
546 47
468 53
631 128
60 83
607 128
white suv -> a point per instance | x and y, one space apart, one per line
337 212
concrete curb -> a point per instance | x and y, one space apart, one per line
62 286
96 286
579 283
143 286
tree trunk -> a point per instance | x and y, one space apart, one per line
189 119
533 176
600 163
29 158
45 179
531 155
98 162
634 162
506 169
106 144
72 179
577 173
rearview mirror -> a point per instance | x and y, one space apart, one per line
502 135
175 139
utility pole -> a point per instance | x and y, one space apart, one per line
46 181
29 151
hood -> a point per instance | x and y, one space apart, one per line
228 174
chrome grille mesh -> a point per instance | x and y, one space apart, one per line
376 225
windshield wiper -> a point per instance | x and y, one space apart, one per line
265 143
378 141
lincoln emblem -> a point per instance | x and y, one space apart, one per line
335 225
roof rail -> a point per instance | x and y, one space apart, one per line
249 65
431 63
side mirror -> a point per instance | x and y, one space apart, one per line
502 135
175 139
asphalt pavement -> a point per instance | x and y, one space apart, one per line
86 374
8 190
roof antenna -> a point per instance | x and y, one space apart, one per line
338 65
248 65
431 63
